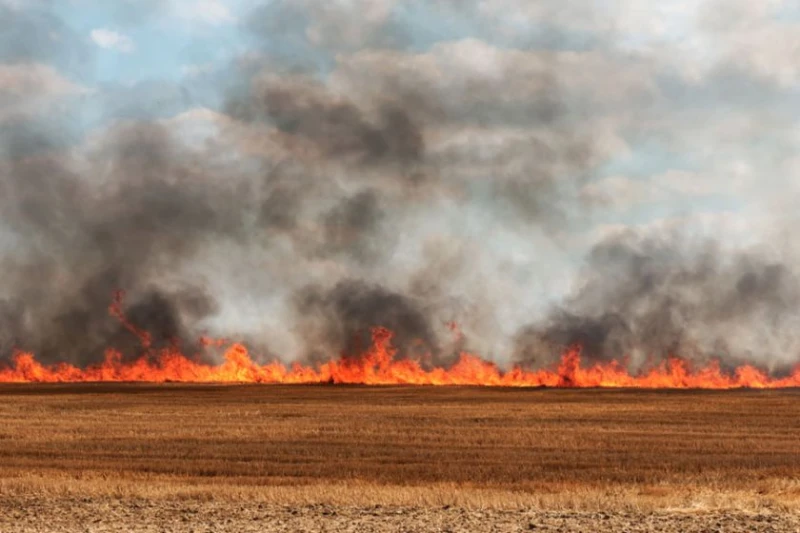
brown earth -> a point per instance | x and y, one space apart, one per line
106 516
287 458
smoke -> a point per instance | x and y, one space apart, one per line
353 179
334 126
348 226
646 297
118 222
342 318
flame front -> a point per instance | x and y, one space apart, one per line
378 366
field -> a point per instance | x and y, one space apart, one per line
237 458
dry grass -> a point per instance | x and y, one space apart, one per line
471 447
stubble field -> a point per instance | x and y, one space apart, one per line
284 458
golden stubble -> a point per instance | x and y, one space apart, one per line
407 446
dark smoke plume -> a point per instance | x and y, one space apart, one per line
144 206
342 318
330 127
342 191
648 297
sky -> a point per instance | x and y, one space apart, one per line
550 127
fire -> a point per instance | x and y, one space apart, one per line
378 366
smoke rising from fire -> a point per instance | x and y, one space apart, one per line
648 295
392 187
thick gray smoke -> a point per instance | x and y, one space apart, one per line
647 297
343 317
338 188
119 221
385 187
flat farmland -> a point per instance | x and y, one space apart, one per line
532 457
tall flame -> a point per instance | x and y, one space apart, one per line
378 367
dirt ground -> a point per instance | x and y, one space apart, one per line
101 458
106 516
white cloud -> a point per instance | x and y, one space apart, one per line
694 38
671 188
197 126
193 71
730 181
112 40
211 12
346 23
749 37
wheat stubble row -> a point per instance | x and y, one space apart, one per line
403 445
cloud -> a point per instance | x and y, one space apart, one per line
697 40
331 26
112 40
197 70
709 39
129 13
346 23
672 187
211 12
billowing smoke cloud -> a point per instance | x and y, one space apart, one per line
353 180
119 221
645 297
336 127
342 318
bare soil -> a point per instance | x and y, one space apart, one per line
106 516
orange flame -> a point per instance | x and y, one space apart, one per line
378 366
